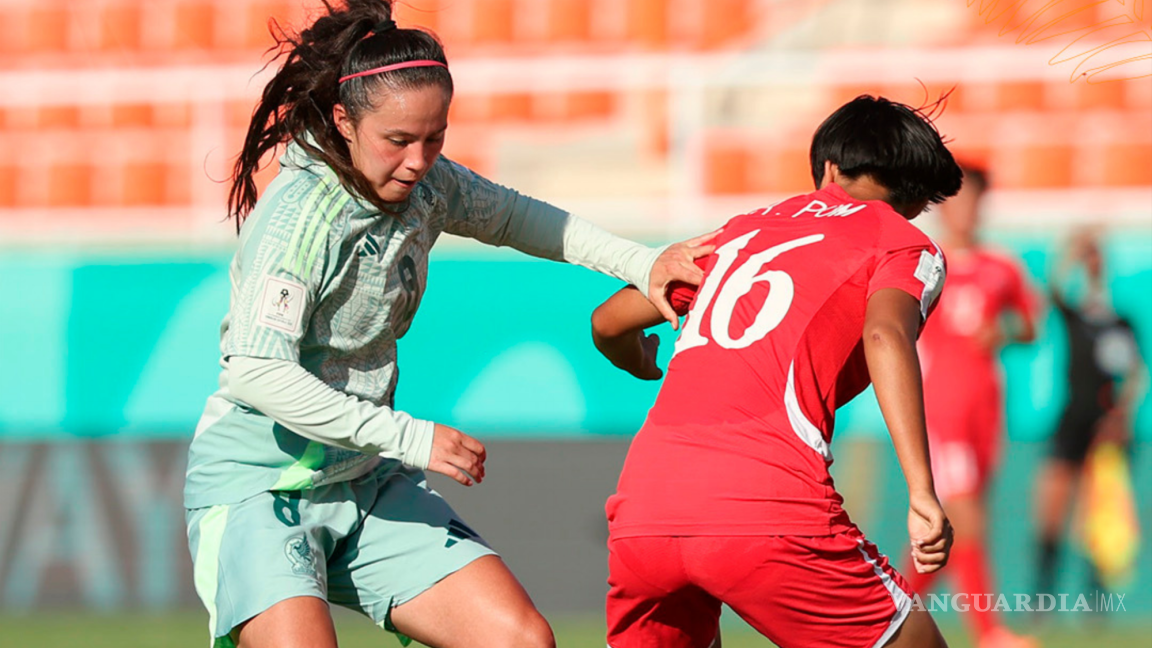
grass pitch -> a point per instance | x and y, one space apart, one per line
183 629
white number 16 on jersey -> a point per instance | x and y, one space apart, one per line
727 293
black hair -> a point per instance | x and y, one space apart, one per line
350 37
896 145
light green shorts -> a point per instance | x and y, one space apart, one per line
369 544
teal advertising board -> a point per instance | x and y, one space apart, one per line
125 344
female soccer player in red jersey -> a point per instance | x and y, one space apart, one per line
988 304
725 496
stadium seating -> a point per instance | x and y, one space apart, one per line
113 153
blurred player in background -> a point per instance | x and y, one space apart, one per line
988 304
1105 376
305 485
725 496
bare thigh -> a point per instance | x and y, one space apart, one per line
298 622
917 631
479 606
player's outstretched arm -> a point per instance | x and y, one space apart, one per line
618 332
891 326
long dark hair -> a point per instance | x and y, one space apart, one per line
353 36
896 144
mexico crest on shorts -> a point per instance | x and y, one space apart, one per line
299 553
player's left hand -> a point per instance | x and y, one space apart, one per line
930 533
677 263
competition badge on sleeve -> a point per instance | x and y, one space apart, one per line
282 305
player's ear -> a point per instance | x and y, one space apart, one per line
831 172
343 121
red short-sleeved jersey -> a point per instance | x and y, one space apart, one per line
982 286
737 442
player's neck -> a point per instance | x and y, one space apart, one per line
961 244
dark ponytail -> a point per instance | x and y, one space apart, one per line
297 103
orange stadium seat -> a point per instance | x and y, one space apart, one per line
8 177
1127 164
569 20
515 106
1035 166
17 118
47 28
1059 23
1138 93
493 21
12 29
1107 94
172 115
132 115
120 27
142 184
589 105
155 183
724 20
464 150
647 22
195 25
788 171
1019 95
468 109
973 97
727 166
69 184
1107 11
239 114
58 117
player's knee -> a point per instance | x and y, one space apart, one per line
529 630
917 631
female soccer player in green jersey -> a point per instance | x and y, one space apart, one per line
305 485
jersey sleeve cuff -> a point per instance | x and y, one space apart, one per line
416 443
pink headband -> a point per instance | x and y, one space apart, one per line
394 66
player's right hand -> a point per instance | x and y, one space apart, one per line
457 455
930 533
678 263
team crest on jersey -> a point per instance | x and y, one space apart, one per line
282 304
299 553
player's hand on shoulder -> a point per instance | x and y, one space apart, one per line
678 263
930 532
457 455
